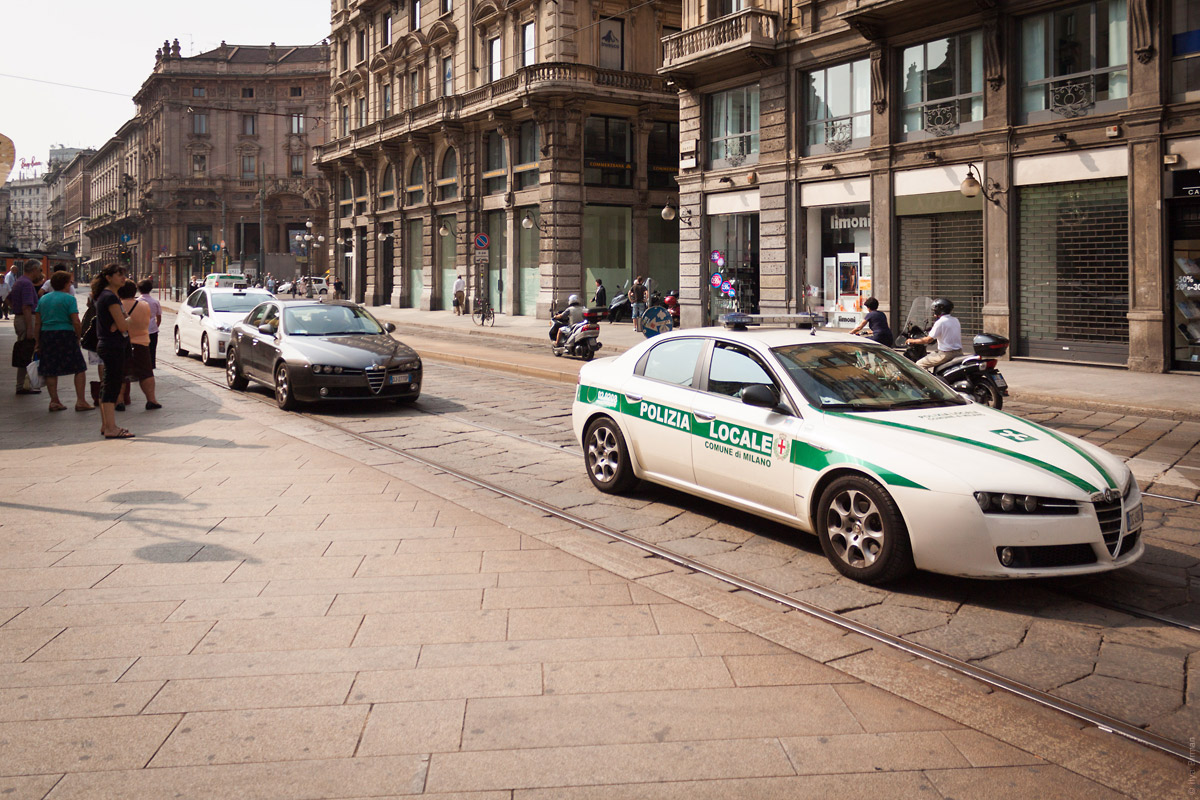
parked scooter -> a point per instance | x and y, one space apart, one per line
619 308
975 375
581 339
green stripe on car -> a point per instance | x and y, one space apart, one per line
1062 473
742 437
1062 440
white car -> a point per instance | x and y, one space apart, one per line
208 315
844 438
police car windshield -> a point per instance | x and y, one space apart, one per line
240 301
322 320
848 376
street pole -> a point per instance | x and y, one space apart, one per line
224 252
262 231
242 239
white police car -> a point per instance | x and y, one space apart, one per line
208 315
846 439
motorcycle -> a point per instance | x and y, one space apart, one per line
974 375
581 340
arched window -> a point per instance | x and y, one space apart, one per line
414 190
387 188
447 184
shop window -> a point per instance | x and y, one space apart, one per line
941 85
525 171
733 127
734 255
1185 273
941 254
414 190
607 152
1185 50
839 257
1074 271
837 108
1074 61
447 183
662 153
495 175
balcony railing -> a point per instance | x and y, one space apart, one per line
549 77
749 29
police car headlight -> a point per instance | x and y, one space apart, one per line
1006 503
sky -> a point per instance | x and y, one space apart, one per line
110 47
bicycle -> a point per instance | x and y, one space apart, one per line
482 313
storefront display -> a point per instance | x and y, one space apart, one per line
1184 335
732 265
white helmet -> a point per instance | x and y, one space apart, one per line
574 300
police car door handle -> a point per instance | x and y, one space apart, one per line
701 415
633 398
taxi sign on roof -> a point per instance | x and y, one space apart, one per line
218 280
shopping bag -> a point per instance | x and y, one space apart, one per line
35 380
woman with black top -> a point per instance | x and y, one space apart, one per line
112 332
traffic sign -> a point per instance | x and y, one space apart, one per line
481 257
481 241
655 320
124 238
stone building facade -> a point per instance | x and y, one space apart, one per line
114 222
1037 162
221 163
28 213
527 145
69 180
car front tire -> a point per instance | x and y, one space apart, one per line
233 373
606 457
284 396
205 353
179 351
862 532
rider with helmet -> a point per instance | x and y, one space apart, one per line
569 316
946 331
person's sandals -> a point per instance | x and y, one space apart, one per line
84 407
57 407
120 434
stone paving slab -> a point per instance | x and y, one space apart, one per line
295 696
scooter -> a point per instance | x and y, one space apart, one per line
581 340
619 308
975 375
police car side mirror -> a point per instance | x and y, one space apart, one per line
199 312
389 327
760 396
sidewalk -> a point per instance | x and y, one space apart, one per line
1170 396
241 603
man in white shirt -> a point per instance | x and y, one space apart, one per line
460 296
946 331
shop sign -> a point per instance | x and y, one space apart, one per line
716 280
1186 182
714 256
846 223
727 288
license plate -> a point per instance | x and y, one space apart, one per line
1000 382
589 334
1133 518
403 378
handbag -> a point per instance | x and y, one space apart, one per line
22 352
36 381
90 340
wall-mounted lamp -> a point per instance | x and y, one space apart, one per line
529 222
970 187
1061 138
726 180
669 213
383 237
448 228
